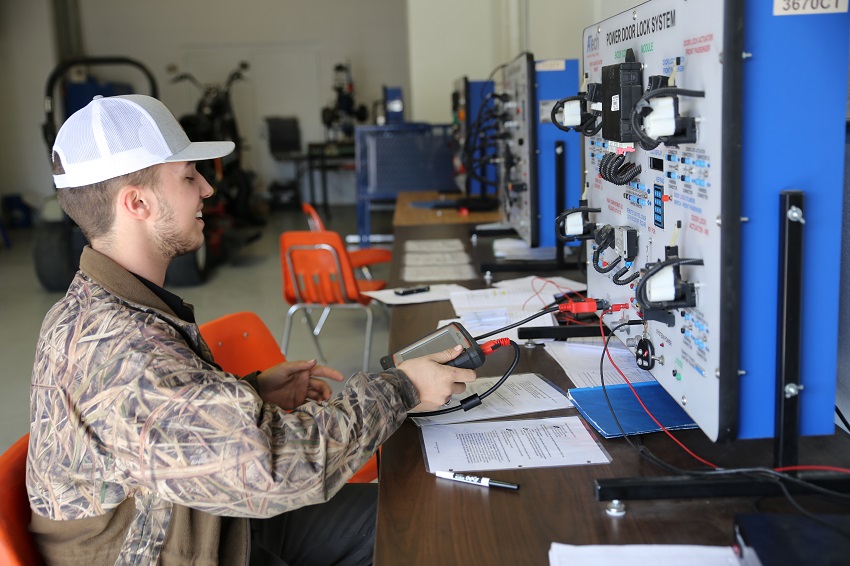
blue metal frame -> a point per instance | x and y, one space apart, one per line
478 101
552 86
791 145
399 157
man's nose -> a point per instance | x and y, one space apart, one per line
206 189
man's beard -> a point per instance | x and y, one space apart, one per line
168 240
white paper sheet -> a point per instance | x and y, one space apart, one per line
491 299
504 445
484 322
546 286
436 258
520 394
641 555
516 249
441 245
439 292
438 273
581 363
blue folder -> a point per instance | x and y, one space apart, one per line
590 402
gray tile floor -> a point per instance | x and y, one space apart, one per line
250 281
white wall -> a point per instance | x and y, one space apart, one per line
449 39
27 52
291 45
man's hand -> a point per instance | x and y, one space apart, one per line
290 384
435 382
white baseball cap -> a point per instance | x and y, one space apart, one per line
116 135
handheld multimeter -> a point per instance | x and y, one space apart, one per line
443 338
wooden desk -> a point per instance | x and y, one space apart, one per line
408 215
422 520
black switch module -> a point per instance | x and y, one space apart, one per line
621 89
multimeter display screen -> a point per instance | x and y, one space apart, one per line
438 342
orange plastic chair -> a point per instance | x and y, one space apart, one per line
360 259
17 547
317 274
241 343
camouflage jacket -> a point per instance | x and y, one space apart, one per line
142 451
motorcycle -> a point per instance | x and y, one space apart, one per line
230 219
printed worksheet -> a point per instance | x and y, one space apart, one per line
581 363
520 394
506 445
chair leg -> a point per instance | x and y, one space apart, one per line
322 319
368 346
314 333
287 330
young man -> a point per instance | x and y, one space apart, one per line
142 450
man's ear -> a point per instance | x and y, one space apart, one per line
135 202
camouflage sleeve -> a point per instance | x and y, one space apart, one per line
201 438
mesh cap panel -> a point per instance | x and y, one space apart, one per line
122 134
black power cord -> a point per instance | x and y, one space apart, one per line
646 142
755 473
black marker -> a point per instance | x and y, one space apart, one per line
484 482
412 290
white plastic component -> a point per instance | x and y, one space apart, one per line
661 286
662 120
574 226
572 113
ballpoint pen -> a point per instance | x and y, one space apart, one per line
485 482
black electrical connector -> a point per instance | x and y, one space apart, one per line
685 128
684 292
587 226
604 239
588 117
614 169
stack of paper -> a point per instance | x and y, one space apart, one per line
436 260
452 443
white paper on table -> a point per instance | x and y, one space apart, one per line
641 555
484 322
440 245
546 286
435 258
520 394
494 298
507 445
439 292
516 249
581 363
438 273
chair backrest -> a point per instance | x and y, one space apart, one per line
284 136
314 221
17 546
316 269
241 343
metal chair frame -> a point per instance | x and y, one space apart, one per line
307 307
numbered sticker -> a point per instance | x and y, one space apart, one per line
801 7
